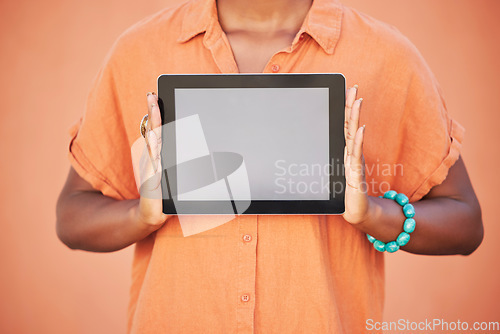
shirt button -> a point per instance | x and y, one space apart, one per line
247 238
275 68
301 37
245 298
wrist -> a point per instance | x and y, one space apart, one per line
146 223
409 224
372 216
383 219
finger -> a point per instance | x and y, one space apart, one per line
357 152
153 136
154 140
356 162
150 178
154 120
349 101
353 125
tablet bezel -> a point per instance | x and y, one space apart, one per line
335 82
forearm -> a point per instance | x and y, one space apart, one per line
444 225
448 219
90 221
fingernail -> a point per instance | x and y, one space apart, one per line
355 86
364 126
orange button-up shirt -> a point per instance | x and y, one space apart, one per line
267 274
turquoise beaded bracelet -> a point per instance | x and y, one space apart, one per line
408 226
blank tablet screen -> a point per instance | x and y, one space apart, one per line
281 133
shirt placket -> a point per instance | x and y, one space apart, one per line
281 61
216 41
247 265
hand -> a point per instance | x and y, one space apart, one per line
150 204
356 199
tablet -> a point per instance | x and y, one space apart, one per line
252 143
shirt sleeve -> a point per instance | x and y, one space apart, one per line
411 141
99 150
431 136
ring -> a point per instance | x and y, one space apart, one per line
144 125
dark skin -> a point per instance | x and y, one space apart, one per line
257 30
448 217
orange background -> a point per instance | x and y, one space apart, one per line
50 52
